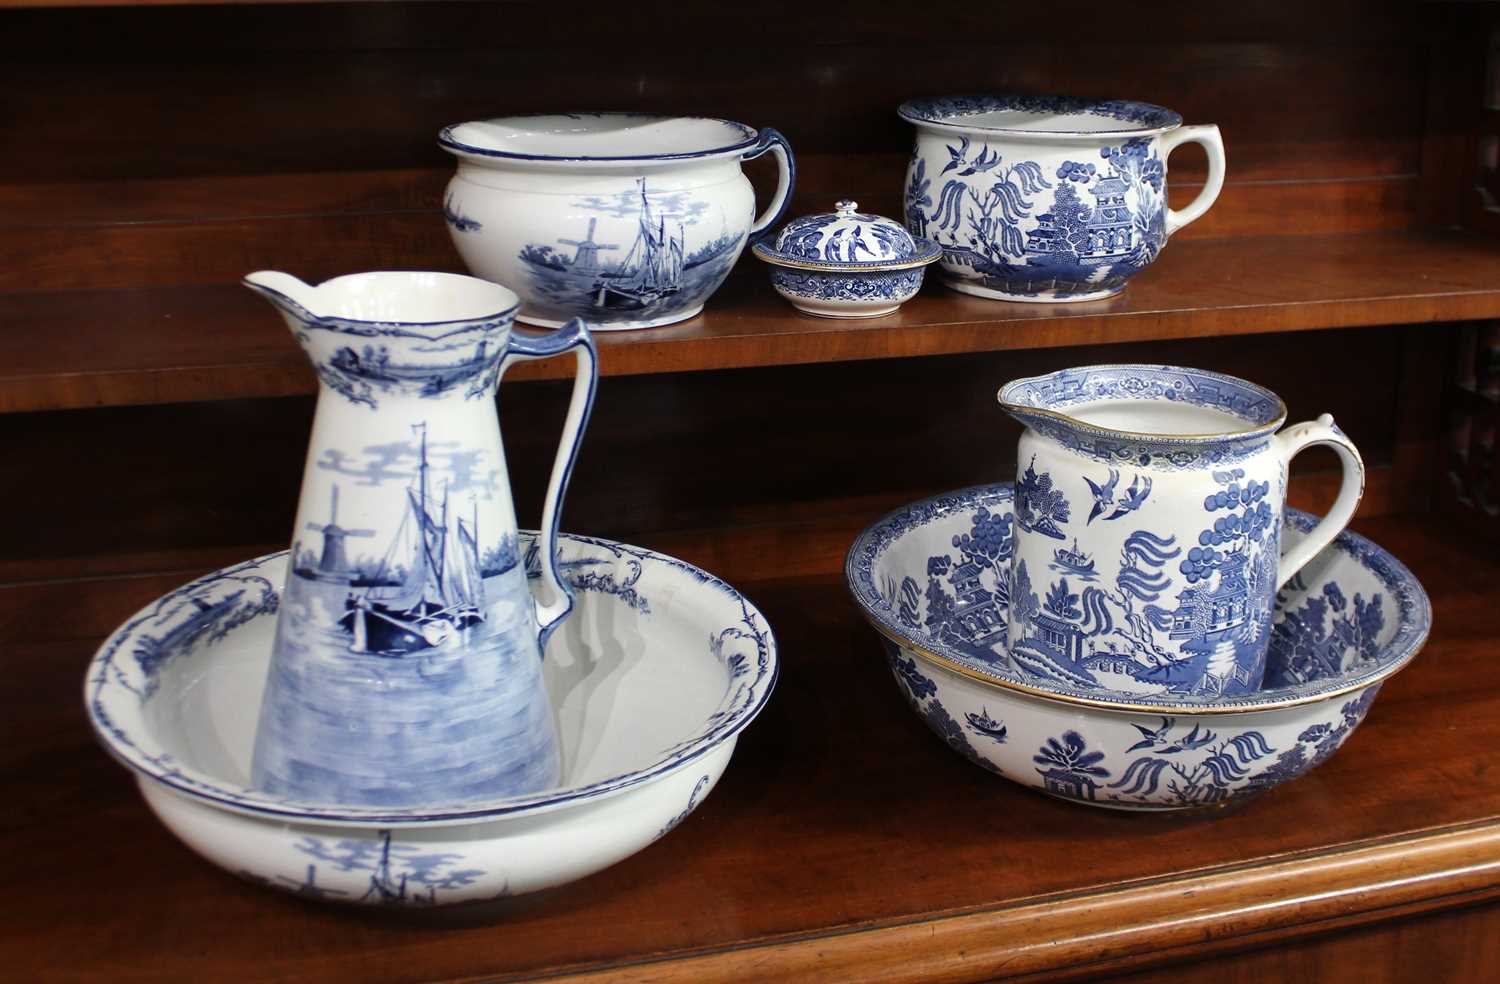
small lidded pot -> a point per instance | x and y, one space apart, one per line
845 264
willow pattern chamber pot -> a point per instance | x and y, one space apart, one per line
934 579
845 264
1048 198
624 220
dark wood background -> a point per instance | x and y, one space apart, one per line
151 155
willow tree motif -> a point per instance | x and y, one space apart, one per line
1211 780
991 214
1137 587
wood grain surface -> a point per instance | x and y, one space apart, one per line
844 841
70 349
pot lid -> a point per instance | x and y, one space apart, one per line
845 235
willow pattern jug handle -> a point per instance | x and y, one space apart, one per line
1289 443
1213 144
573 336
786 177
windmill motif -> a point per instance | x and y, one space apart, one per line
586 259
334 562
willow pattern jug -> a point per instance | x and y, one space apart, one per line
406 668
1148 514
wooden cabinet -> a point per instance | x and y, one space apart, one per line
155 415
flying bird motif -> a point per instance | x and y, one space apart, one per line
1159 740
1134 496
1104 496
958 158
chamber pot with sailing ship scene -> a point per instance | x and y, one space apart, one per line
625 220
406 665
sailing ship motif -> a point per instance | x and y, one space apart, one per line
1072 560
656 271
651 270
373 364
428 587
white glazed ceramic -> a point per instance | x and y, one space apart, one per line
627 221
1048 198
846 264
652 679
1148 512
1349 619
406 664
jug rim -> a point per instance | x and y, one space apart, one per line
1272 411
415 276
956 113
451 138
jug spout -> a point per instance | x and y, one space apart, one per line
294 297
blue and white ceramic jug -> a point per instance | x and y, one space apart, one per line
406 669
1148 512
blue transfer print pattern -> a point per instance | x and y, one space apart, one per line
1325 636
1186 765
1138 115
457 219
431 603
201 613
1211 642
896 601
676 819
366 364
648 272
1082 230
1252 414
1040 507
1085 636
584 574
921 694
1068 768
1111 504
845 236
894 285
399 875
746 648
987 726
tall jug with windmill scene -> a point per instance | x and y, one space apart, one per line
1148 514
406 668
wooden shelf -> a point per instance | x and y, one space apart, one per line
68 349
844 841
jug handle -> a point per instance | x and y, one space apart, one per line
1289 443
1207 135
572 336
786 178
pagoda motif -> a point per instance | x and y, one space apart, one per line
976 616
1110 229
1202 613
1058 637
1046 238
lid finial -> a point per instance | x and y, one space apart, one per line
845 207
